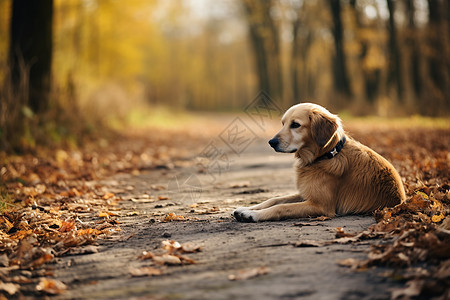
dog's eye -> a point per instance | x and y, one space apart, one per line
295 125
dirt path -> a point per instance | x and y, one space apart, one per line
207 200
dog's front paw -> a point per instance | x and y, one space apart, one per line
243 214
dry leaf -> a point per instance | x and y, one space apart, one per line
145 271
437 218
301 224
310 243
185 260
83 250
108 196
321 218
10 288
88 231
145 200
410 291
51 286
170 245
340 233
158 187
4 260
67 226
106 214
46 257
349 262
146 255
248 273
166 259
190 248
173 217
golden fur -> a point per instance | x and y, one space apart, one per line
356 180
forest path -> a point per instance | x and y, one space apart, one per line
206 201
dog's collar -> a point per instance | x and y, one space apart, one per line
335 150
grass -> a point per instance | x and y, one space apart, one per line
414 121
6 200
146 116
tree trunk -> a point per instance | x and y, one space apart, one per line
438 60
341 80
265 42
395 71
295 64
30 52
414 48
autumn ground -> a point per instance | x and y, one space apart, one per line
147 215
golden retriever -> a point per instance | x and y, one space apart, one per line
336 175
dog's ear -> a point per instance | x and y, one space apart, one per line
323 127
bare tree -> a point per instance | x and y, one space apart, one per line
394 64
413 45
31 49
438 60
264 37
341 79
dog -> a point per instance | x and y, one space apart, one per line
336 175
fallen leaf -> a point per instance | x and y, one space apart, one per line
190 248
411 290
248 273
208 211
67 226
83 250
106 214
10 288
310 243
173 217
145 271
340 233
321 218
158 187
437 218
108 196
46 257
88 231
51 286
185 260
145 200
146 255
21 279
349 262
170 245
4 261
167 259
301 224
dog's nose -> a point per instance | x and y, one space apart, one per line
274 142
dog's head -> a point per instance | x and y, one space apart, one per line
308 127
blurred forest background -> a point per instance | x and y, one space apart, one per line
67 66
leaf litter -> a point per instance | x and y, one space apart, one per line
246 274
412 239
171 253
52 203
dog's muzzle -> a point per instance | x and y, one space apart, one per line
274 143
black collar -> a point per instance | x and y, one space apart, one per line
335 150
